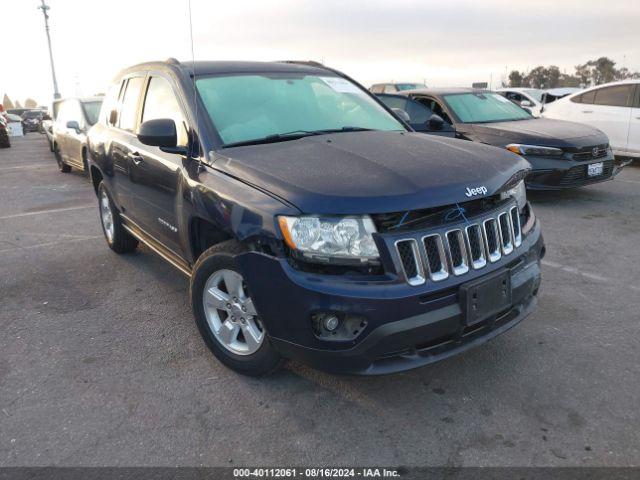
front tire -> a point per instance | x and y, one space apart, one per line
63 167
225 314
118 239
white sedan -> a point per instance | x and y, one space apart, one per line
613 108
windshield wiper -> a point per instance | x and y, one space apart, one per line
294 135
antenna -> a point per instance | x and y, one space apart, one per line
195 92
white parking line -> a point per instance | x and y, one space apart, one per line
48 244
40 212
28 167
592 276
575 271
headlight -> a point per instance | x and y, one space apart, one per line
534 150
519 192
323 239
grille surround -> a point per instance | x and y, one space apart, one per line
467 246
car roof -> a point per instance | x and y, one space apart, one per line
445 91
230 67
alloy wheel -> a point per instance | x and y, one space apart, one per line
106 215
230 313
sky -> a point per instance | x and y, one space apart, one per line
445 43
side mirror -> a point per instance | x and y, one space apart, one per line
526 103
403 115
160 132
72 124
435 122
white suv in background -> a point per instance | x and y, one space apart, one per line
613 108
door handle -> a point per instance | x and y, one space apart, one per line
135 157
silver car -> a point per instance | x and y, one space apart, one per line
73 118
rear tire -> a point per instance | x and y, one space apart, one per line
118 239
225 315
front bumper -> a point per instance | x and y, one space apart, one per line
558 174
406 327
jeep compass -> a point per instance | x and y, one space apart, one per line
313 224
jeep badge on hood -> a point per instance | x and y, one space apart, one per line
472 192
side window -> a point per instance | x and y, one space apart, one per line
585 97
389 88
110 103
376 89
161 102
436 108
616 96
129 108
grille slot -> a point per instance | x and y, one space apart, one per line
457 252
410 259
476 246
506 235
491 239
515 223
436 258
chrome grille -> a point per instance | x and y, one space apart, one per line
589 153
454 252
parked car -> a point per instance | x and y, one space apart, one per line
418 115
395 87
31 120
74 117
613 108
562 154
14 125
47 128
312 223
552 94
528 98
17 111
5 141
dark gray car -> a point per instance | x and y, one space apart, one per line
73 119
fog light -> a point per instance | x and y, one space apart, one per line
330 322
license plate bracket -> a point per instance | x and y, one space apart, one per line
486 296
595 169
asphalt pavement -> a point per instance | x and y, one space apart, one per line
101 362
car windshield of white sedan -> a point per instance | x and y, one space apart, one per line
484 108
256 108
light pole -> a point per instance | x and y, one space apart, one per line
44 7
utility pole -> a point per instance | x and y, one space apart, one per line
44 7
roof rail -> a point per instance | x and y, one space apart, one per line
311 63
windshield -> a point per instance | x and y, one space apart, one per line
484 107
32 114
534 93
92 110
409 86
250 107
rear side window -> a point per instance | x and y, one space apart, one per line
418 113
616 96
390 88
161 102
585 97
129 107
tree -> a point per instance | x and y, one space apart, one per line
601 70
30 103
515 79
537 78
6 102
553 76
18 105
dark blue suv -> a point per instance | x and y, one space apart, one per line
313 223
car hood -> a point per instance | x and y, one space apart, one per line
370 172
538 131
